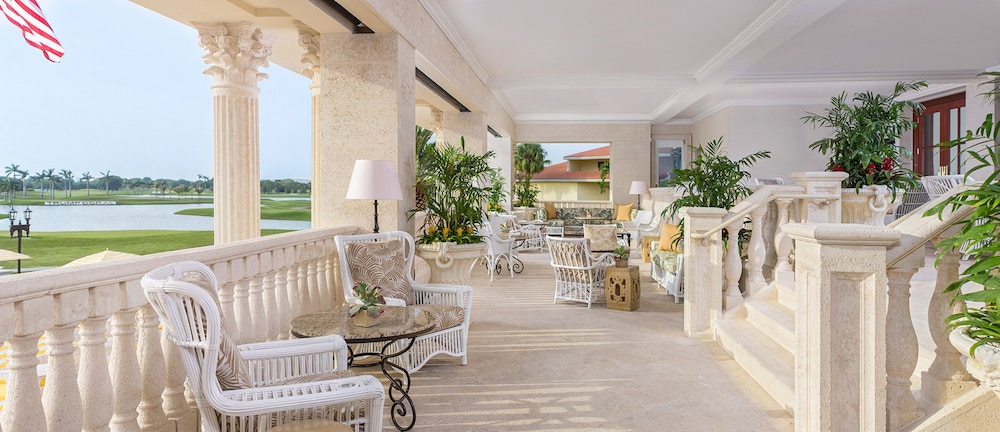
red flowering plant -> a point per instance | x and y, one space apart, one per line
865 132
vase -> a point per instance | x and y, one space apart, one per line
451 262
984 364
868 205
619 262
362 319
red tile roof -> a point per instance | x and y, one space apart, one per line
591 154
556 172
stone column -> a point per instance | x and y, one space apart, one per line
820 183
702 270
309 40
367 101
235 51
840 363
470 125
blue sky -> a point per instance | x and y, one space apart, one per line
130 96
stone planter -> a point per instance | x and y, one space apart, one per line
868 205
450 262
984 364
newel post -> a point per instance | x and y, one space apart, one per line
840 364
702 270
818 210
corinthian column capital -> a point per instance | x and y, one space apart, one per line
309 41
234 52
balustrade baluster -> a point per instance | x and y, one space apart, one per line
175 405
321 282
258 322
94 378
901 348
733 266
226 293
243 324
946 379
782 243
272 311
23 409
757 251
152 368
309 303
314 292
125 373
61 396
298 299
288 301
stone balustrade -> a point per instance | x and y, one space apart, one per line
108 366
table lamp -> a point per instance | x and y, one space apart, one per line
374 180
638 188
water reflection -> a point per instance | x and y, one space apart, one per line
132 217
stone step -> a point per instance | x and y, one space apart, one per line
784 284
764 359
773 319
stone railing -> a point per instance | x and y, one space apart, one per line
108 366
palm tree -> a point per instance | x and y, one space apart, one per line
8 188
48 175
87 178
24 182
68 175
39 177
107 181
529 159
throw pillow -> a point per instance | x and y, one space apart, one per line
602 238
623 212
381 264
667 236
550 211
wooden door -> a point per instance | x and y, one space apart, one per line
943 120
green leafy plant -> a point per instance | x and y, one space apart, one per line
979 233
712 180
457 189
621 252
498 193
529 159
602 184
865 131
371 300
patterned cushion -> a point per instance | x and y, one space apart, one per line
602 237
314 378
445 316
665 260
231 369
381 264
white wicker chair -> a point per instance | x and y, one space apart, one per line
452 304
579 276
529 235
260 385
498 248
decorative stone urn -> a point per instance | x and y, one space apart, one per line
984 364
867 205
451 262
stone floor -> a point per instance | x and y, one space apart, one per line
538 366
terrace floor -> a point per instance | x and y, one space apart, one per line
538 366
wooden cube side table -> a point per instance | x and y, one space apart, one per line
621 288
647 247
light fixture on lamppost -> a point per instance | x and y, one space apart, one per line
20 228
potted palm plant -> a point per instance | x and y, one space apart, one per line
457 187
864 145
621 254
976 328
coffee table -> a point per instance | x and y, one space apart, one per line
397 323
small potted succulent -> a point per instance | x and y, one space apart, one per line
368 305
621 254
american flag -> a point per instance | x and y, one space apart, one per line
28 17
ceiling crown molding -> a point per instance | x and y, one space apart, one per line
858 77
441 18
592 81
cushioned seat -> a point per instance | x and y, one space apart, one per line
667 262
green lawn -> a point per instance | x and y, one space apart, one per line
53 249
298 210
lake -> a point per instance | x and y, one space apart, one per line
131 217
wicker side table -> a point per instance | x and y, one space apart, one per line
621 288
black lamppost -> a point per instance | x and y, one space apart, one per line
20 228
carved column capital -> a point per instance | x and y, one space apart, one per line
309 41
234 52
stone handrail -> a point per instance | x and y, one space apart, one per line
108 365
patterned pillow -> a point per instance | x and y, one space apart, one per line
231 369
381 264
602 237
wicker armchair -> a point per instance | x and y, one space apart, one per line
386 260
498 248
579 276
260 385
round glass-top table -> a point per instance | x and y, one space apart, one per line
395 324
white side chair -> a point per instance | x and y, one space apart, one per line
386 260
579 275
259 385
499 249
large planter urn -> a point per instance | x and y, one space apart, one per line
450 262
868 205
984 364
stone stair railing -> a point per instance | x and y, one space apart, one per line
109 366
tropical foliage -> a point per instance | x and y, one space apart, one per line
371 300
978 236
529 159
457 189
423 141
865 130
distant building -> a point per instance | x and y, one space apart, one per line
576 179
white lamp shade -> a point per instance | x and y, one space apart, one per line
638 187
374 179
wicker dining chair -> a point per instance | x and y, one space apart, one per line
579 275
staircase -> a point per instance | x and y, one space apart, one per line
760 335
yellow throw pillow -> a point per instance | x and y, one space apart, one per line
550 211
623 212
667 236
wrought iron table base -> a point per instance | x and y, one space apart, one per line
399 388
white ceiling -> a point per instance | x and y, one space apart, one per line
675 61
